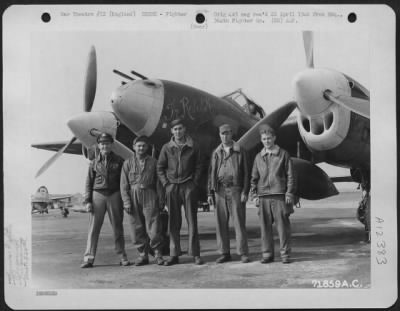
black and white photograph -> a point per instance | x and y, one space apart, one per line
211 156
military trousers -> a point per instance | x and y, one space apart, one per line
273 209
145 222
177 195
112 204
228 203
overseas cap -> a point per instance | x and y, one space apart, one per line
143 138
225 128
104 137
176 122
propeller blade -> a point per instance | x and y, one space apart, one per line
308 40
120 149
357 105
91 80
251 139
312 182
54 158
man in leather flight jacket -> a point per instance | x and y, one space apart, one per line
229 183
102 194
273 181
179 170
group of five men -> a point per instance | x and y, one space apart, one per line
136 185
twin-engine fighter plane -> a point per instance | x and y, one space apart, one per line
332 125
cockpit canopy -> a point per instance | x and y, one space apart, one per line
239 98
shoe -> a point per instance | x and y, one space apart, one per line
266 260
87 265
224 258
160 261
173 260
244 259
198 261
124 262
141 261
286 260
151 251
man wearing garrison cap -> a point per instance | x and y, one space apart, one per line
179 170
139 195
228 185
102 194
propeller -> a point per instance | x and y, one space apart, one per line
89 94
91 80
274 119
50 161
308 40
358 105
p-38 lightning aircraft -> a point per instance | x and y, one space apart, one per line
332 126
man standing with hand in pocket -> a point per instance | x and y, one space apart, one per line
229 183
179 169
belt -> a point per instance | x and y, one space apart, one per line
226 184
142 186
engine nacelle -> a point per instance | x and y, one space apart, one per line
323 125
326 130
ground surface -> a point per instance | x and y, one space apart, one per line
326 245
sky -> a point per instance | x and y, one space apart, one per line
262 64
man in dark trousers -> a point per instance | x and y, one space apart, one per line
229 184
179 170
273 182
103 194
139 195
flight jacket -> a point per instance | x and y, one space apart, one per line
241 173
272 174
177 166
103 177
133 175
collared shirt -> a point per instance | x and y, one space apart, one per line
140 172
226 169
104 175
272 173
232 167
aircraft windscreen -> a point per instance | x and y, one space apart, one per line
245 103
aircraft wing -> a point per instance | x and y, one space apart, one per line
74 148
342 179
60 196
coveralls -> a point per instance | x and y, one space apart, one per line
179 170
228 179
272 179
103 191
138 191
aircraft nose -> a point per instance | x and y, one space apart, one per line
87 126
138 104
309 87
